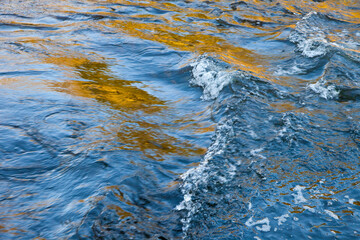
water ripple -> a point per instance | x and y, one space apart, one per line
126 119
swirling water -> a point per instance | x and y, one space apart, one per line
179 119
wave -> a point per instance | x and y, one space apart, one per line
211 76
269 170
317 35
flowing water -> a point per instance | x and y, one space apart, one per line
126 119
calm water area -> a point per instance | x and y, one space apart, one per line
182 119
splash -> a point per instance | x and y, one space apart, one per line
324 90
310 39
211 76
265 224
197 177
299 197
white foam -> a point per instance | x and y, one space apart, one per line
255 153
299 197
309 209
253 134
313 47
232 170
184 203
187 198
331 214
307 16
210 76
282 219
282 131
287 124
195 177
264 222
293 70
311 40
327 92
351 200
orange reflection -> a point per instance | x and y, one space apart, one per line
183 39
343 10
120 212
12 230
120 94
195 29
182 34
133 132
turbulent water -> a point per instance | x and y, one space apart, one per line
125 119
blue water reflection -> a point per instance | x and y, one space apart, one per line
179 119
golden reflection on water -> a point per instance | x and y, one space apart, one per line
134 131
185 40
195 29
117 93
12 230
176 31
184 29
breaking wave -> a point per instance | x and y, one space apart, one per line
270 169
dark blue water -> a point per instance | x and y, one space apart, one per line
179 119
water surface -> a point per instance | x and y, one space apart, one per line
179 119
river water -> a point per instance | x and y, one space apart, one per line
125 119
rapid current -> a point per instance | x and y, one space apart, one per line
182 119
